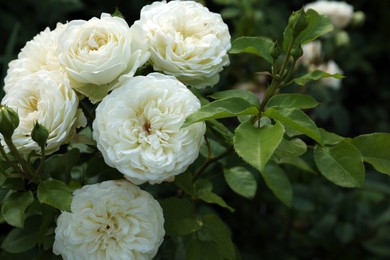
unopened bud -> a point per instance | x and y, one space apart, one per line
298 22
358 18
9 121
275 51
297 52
39 134
342 38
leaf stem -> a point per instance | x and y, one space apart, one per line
209 161
26 168
13 165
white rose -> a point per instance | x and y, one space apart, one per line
47 98
312 53
38 54
339 13
112 220
96 52
138 128
187 41
330 67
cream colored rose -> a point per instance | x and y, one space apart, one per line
113 220
38 54
187 41
96 52
339 13
46 97
312 52
138 128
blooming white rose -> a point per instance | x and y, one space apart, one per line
96 52
138 128
312 52
47 98
187 41
339 13
38 54
112 220
330 67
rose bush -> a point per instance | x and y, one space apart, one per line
187 41
138 128
110 220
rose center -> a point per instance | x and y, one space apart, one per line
147 126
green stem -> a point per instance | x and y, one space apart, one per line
14 166
41 163
209 161
26 168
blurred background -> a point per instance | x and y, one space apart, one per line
325 222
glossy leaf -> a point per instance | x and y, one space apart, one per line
341 164
210 197
178 215
259 46
257 145
217 232
297 120
244 94
14 207
316 75
277 180
241 181
330 138
375 149
291 148
297 162
56 194
228 107
292 101
59 166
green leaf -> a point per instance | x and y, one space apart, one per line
184 182
297 120
296 162
256 145
316 75
292 101
259 46
210 197
220 130
241 181
202 250
222 108
375 149
291 148
217 232
244 94
277 180
178 217
14 207
341 164
330 138
22 239
56 194
60 166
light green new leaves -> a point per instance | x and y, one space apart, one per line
341 164
277 180
292 101
256 145
178 216
241 181
316 75
55 193
14 207
375 149
227 107
259 46
297 120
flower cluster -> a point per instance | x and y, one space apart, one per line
138 119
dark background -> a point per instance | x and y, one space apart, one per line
326 222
